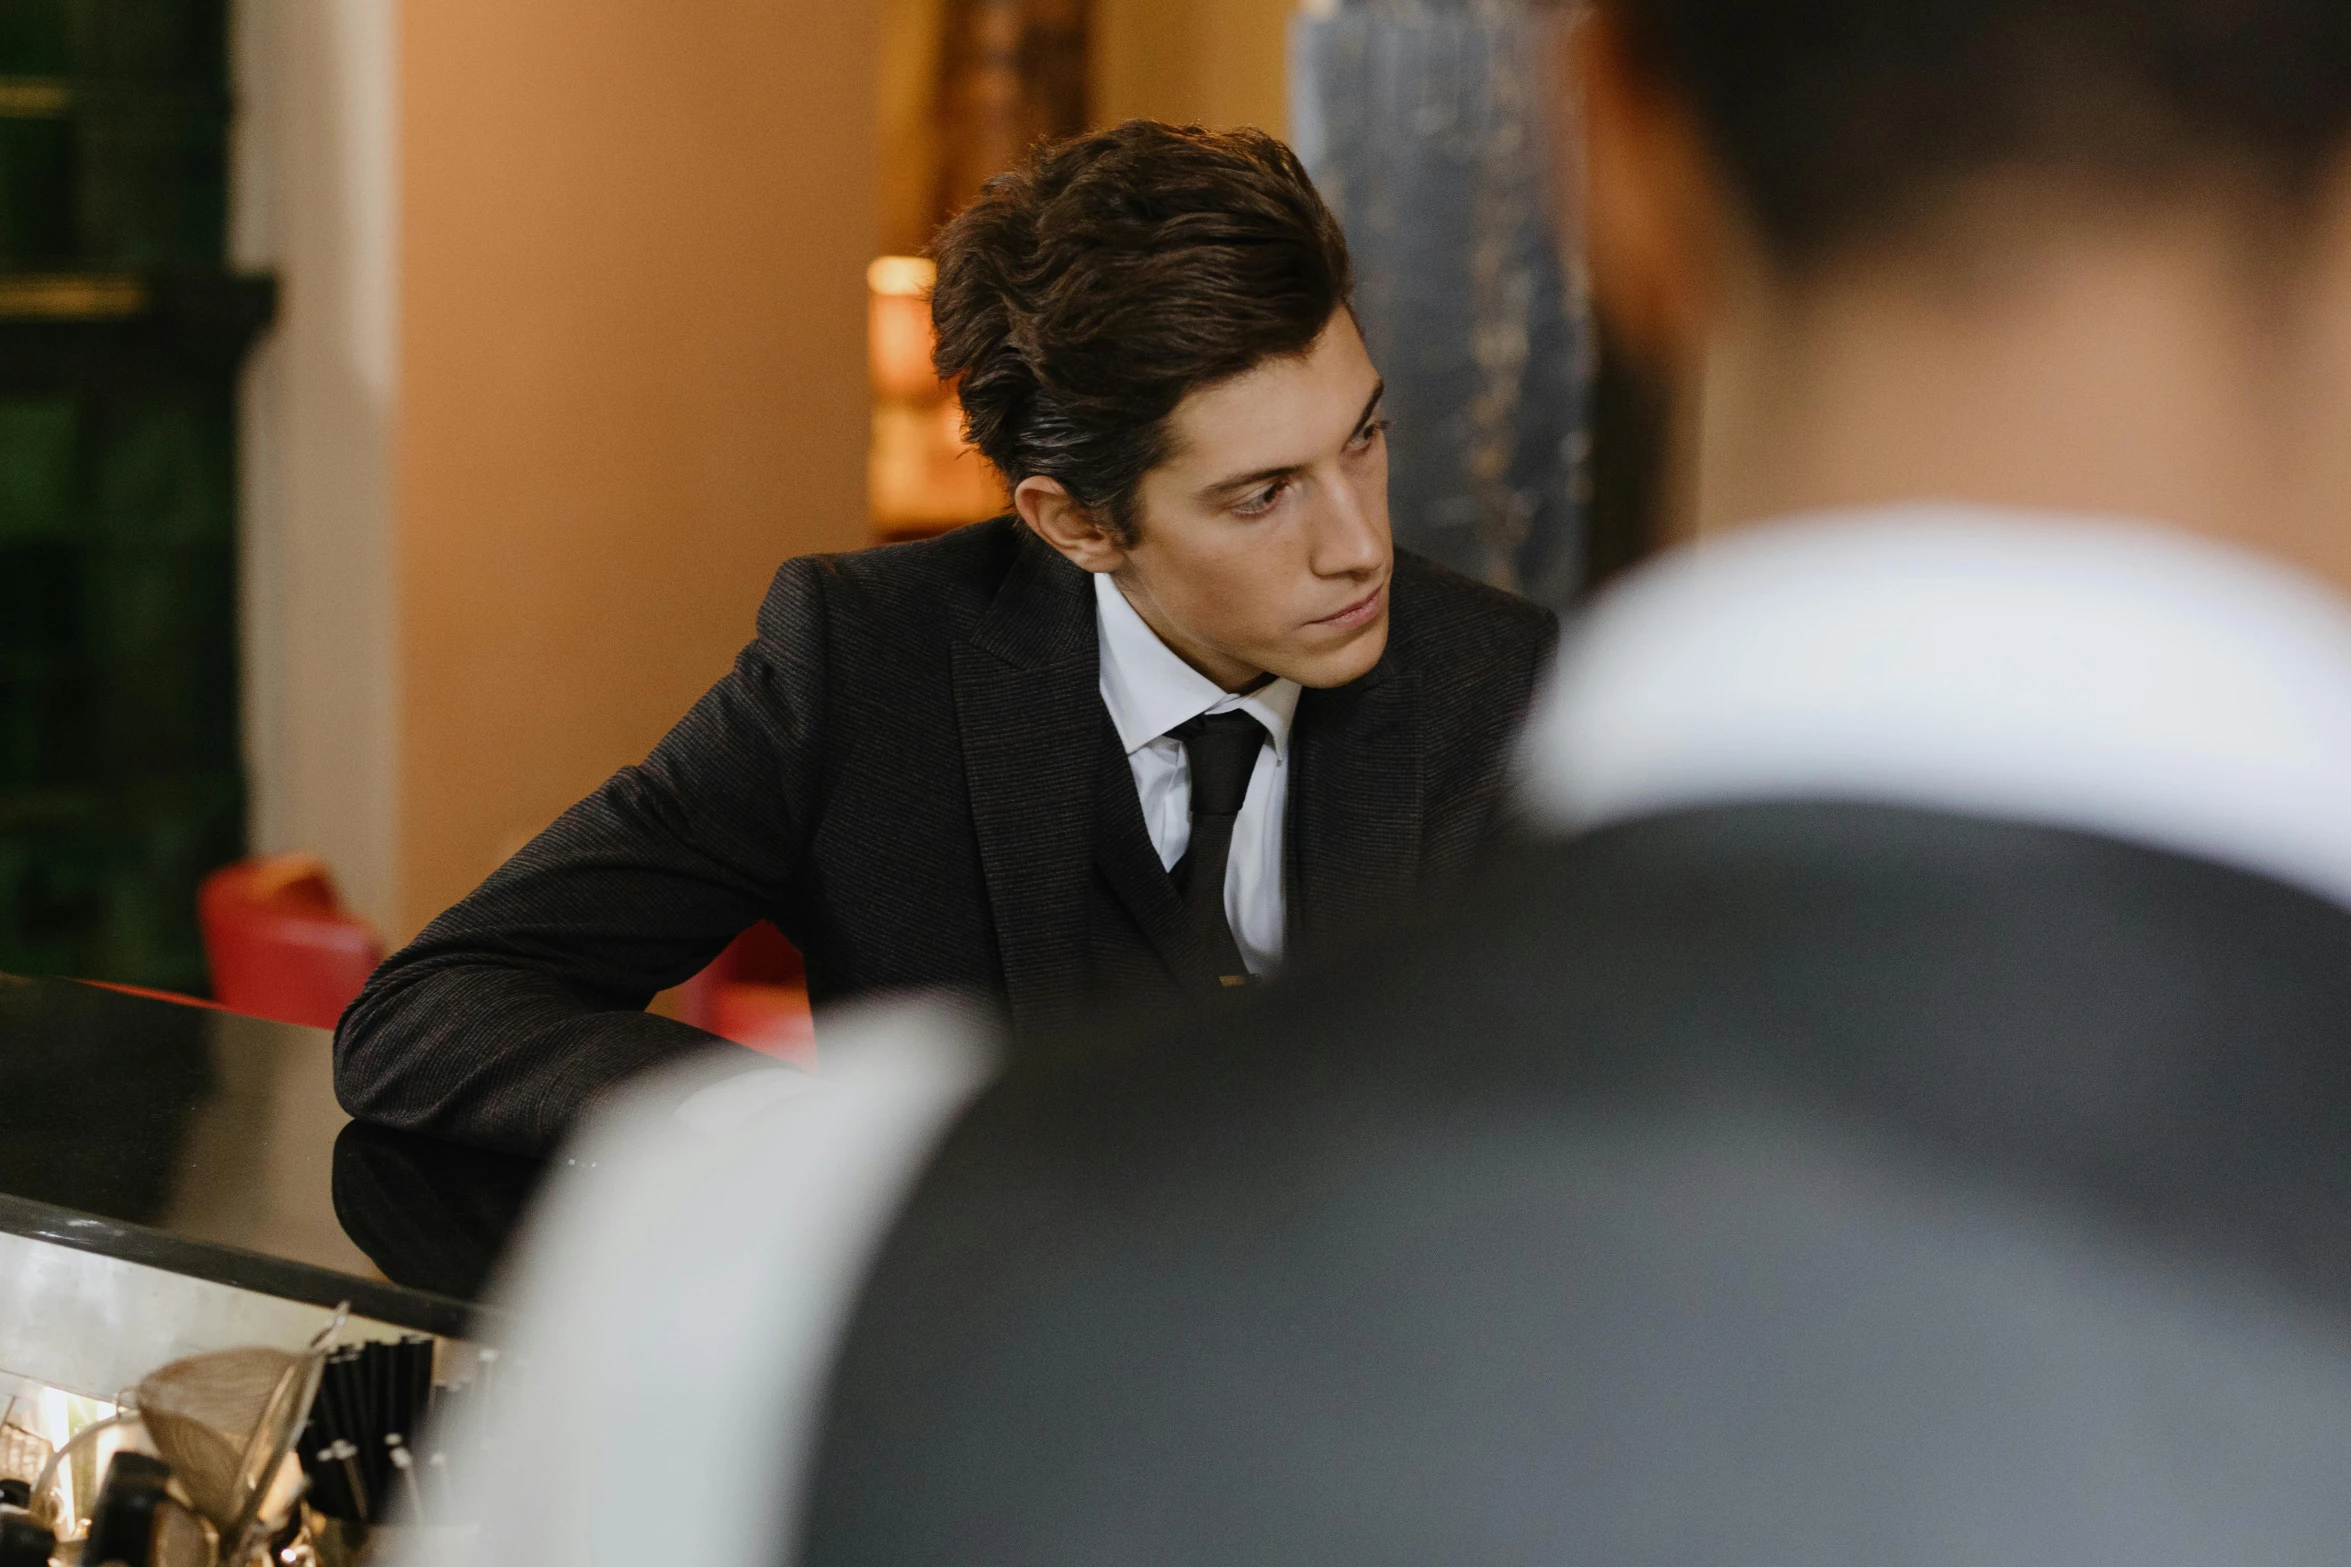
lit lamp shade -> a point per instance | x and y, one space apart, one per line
922 477
898 329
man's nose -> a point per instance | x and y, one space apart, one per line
1350 536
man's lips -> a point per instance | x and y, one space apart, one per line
1356 614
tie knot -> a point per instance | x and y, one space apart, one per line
1222 749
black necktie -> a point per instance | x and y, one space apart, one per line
1222 748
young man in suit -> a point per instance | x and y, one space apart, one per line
1183 715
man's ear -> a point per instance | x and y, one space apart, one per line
1654 218
1055 516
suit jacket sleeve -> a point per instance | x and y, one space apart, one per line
526 1000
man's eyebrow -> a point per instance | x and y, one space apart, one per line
1250 481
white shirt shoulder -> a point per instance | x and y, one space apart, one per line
2108 675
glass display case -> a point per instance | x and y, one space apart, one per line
176 1182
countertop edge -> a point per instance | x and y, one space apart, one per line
220 1263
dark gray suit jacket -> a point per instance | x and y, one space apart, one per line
911 772
1767 1186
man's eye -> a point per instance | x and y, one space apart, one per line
1259 504
1368 434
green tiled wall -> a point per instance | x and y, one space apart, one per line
119 774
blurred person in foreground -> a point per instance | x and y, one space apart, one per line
1181 716
1905 1114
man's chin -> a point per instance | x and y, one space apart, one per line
1336 663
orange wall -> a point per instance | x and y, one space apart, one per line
1215 62
631 345
1212 62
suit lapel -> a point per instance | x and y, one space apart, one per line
1029 708
1356 804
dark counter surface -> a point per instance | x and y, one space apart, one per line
211 1145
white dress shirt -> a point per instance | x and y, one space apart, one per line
1150 691
2111 676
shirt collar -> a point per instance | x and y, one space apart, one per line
1149 690
2106 675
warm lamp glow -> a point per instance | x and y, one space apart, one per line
899 341
902 276
922 476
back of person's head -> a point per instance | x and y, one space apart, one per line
1087 292
1842 123
2078 257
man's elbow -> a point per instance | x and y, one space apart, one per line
366 1044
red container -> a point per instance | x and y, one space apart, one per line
755 993
279 942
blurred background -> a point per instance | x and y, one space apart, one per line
404 403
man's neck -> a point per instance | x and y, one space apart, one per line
2116 372
1236 676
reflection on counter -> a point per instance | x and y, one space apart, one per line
432 1215
98 1114
210 1146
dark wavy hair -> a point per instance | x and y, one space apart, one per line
1086 293
1844 121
